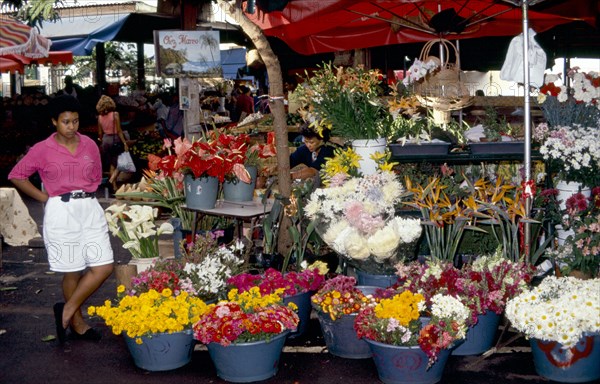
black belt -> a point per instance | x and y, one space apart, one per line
77 195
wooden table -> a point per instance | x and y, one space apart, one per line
239 211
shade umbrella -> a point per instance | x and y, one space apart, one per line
337 25
21 39
17 63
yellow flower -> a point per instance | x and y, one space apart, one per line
121 288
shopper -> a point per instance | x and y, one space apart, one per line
312 153
75 231
111 136
244 104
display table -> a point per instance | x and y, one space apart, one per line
16 225
243 211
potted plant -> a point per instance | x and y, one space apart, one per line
348 102
356 217
246 333
499 137
157 327
135 226
560 319
298 287
337 302
395 331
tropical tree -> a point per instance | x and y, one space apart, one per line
33 12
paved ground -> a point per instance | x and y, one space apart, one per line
28 291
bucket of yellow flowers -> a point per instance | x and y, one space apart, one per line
156 326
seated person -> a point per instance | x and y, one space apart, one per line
312 153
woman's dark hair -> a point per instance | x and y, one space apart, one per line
308 132
63 103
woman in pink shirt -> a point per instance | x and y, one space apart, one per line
111 136
75 231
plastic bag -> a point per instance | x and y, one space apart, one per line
125 163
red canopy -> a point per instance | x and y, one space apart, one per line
310 27
17 63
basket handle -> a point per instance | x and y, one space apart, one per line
444 43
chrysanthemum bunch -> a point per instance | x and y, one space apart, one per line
398 321
149 313
574 152
357 219
246 317
340 296
559 309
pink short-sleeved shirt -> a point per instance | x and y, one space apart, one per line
61 171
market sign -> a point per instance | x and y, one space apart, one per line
188 54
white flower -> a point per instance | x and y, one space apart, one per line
559 309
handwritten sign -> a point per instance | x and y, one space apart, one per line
188 54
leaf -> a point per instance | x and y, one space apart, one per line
48 338
8 289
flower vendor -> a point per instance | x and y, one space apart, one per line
312 153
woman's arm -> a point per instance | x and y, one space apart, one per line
120 131
29 189
100 131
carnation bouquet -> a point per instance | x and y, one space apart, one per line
245 317
135 226
150 312
272 280
484 285
559 309
357 218
398 321
574 105
581 250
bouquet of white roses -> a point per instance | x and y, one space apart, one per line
135 226
357 218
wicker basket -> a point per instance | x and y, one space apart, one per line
443 91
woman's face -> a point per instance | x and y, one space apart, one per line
313 143
67 124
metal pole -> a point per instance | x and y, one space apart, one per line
527 123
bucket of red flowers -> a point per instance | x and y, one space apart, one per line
245 334
298 288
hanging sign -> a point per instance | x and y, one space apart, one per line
187 54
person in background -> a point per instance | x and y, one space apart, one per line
313 153
162 112
75 230
174 122
71 88
244 105
111 137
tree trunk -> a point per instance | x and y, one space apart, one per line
276 97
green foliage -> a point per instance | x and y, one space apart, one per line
33 12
